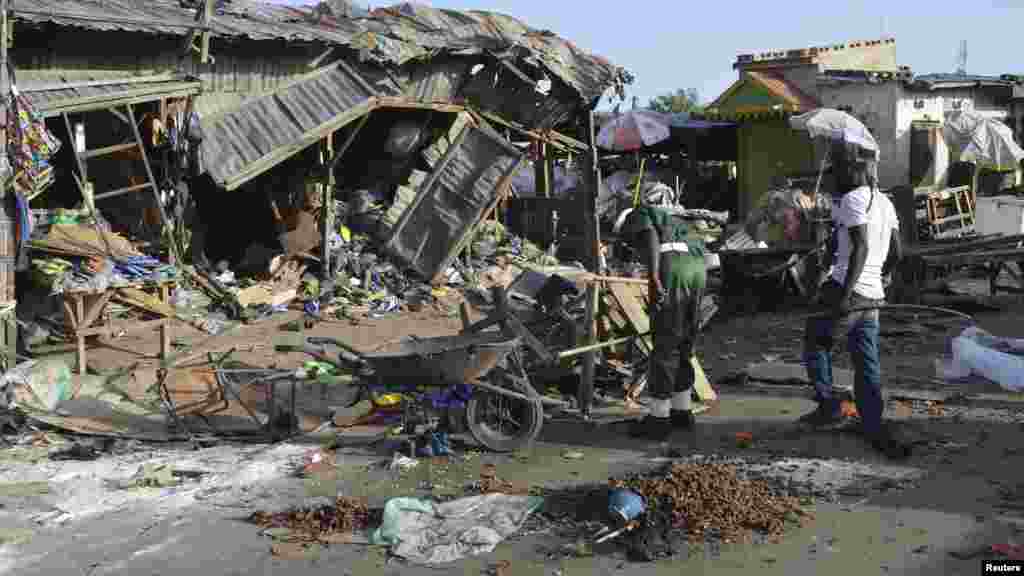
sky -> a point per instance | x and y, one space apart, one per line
669 44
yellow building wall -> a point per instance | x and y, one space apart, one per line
768 148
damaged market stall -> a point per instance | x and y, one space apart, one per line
958 228
75 253
783 243
512 78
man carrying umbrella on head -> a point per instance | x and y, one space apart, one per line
677 275
868 246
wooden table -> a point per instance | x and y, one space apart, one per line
83 315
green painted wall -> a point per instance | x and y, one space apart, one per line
763 144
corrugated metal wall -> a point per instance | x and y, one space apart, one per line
452 201
45 56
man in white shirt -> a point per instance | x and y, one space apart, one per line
868 245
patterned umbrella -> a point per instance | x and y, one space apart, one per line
975 138
633 130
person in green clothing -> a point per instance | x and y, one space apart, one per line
677 275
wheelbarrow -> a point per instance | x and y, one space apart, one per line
482 371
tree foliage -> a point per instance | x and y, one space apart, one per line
679 101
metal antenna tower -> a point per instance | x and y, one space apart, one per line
961 58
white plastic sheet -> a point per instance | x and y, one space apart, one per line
1000 360
976 138
427 533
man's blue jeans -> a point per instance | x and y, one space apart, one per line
862 341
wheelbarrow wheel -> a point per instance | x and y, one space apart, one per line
502 423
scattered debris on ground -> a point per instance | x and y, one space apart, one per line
345 515
714 499
427 533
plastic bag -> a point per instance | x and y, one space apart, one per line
48 383
1000 360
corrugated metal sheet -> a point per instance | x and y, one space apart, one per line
394 35
52 99
943 80
85 55
424 30
241 18
241 143
451 202
502 92
440 81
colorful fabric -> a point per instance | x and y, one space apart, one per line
30 146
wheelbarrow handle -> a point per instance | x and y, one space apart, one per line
325 341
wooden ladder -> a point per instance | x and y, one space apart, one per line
960 200
82 157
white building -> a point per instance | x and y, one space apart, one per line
905 113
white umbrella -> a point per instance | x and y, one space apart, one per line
634 130
834 124
975 138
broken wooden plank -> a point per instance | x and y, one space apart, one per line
152 304
629 298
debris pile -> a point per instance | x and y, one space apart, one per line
491 483
713 499
79 256
346 515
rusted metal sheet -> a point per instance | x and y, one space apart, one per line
394 36
439 80
474 173
240 18
43 57
242 143
55 98
499 89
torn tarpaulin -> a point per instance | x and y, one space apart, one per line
427 533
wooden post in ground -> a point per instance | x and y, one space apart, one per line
542 178
10 326
585 395
906 281
327 206
204 43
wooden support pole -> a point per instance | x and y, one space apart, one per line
585 395
542 179
204 50
10 325
316 62
348 142
165 221
327 207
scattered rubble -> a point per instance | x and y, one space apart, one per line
345 515
714 499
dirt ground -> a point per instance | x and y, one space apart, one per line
870 515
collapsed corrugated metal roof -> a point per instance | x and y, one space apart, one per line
261 132
239 18
393 35
467 182
51 98
423 29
